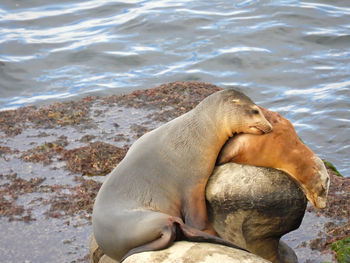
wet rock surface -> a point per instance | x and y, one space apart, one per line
45 152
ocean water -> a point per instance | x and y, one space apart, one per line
289 56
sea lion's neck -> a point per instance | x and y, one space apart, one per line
298 163
211 129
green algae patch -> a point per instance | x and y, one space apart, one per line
301 140
342 248
331 167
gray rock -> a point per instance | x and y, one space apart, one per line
191 252
253 207
286 254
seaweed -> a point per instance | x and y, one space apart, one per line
332 167
44 153
98 158
342 248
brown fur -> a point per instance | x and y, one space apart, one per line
281 149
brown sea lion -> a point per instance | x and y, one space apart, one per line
157 193
283 150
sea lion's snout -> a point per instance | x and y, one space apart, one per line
320 202
261 125
265 127
319 190
259 129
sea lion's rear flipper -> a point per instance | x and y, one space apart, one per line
176 229
196 235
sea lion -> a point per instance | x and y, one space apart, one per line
157 192
281 149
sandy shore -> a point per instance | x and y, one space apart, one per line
53 158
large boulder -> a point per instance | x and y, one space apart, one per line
250 206
253 207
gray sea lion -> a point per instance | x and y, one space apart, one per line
157 193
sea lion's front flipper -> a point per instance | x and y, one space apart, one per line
176 229
230 150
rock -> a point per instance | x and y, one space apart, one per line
107 259
286 254
253 207
95 252
247 205
188 252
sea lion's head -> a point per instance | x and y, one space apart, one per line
241 113
316 185
281 149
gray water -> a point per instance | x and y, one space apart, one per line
290 56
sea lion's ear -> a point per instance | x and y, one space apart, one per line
228 152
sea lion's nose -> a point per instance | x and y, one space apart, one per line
321 202
266 127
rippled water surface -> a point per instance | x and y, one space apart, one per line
290 56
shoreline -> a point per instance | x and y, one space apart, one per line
52 160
